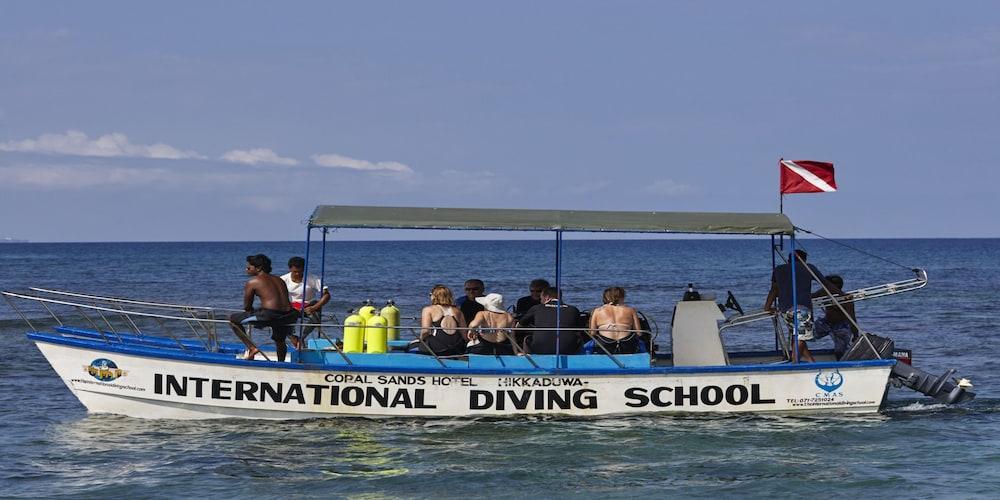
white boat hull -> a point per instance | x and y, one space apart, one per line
156 387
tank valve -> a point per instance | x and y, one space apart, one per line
691 293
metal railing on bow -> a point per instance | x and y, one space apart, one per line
110 321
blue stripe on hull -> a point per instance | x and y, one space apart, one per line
155 347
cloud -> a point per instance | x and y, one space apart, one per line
79 177
257 155
339 161
668 187
74 142
262 203
488 174
486 183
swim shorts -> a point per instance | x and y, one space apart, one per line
840 331
279 321
804 319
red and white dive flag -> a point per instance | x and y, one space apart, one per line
804 176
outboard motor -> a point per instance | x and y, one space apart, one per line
943 388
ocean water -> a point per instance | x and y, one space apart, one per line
50 447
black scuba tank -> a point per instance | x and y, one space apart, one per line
691 293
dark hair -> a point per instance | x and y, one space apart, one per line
836 280
477 282
538 283
260 261
551 292
298 262
801 253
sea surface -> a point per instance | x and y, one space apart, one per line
50 447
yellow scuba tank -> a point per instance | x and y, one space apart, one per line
368 309
391 314
354 332
375 335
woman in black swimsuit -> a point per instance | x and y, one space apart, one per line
442 325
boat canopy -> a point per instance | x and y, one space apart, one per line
507 219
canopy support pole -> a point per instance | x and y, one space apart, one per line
795 302
777 335
322 261
559 304
305 292
322 277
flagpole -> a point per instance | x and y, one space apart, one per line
781 196
781 210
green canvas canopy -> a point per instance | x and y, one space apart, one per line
507 219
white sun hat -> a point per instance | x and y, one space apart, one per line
492 302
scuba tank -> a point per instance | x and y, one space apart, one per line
691 293
354 332
368 309
375 335
391 314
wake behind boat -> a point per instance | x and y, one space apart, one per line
155 360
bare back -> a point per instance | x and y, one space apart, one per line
270 289
496 324
614 321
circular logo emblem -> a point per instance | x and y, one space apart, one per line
104 370
829 382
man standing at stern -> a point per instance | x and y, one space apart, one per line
781 289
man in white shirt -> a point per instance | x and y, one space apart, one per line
310 306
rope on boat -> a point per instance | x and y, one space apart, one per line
910 268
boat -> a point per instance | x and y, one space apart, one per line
157 360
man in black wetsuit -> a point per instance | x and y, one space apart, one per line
545 315
467 303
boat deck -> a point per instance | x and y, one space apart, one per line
318 357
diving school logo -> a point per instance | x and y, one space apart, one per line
829 382
104 370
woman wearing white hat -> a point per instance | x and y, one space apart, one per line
490 329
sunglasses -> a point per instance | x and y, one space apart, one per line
472 289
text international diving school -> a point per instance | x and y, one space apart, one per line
570 396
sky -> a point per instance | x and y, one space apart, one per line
221 121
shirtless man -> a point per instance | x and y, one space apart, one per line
275 308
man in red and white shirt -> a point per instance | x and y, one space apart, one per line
310 306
